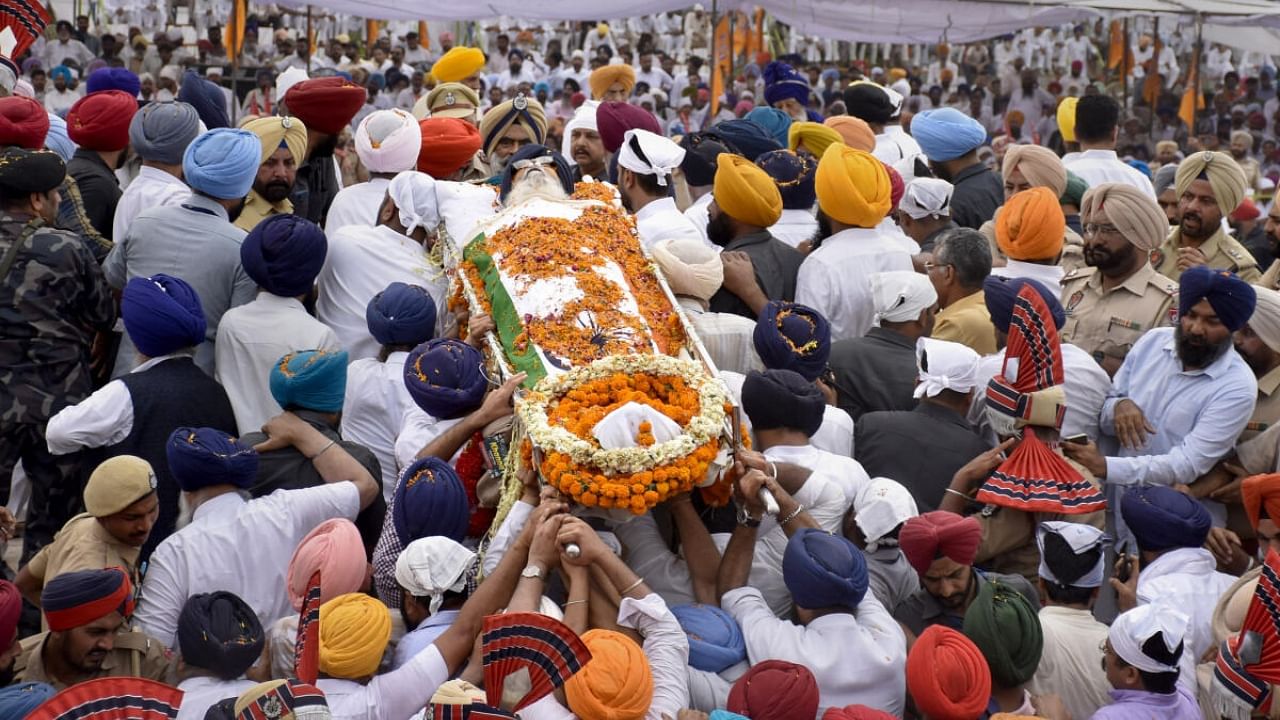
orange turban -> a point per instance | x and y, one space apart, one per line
615 684
1039 165
1262 492
857 133
947 675
816 137
746 192
458 64
448 144
605 76
853 187
354 631
1031 225
333 549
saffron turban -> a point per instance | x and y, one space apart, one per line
283 700
160 132
280 132
794 175
1006 629
74 599
1261 493
777 690
23 122
1031 225
822 570
1225 177
354 631
691 268
325 104
781 81
1067 118
790 336
458 64
774 121
448 144
223 163
333 549
815 137
614 119
445 377
10 611
947 676
162 314
936 534
745 192
853 187
750 139
310 380
389 141
207 98
284 254
19 701
1162 518
1130 210
200 457
856 712
113 78
58 140
401 315
114 485
782 399
449 100
101 121
615 684
1039 165
220 633
872 102
1232 299
715 640
433 565
1000 294
522 111
606 76
946 133
430 500
855 132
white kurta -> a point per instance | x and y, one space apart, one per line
1069 666
1103 166
835 279
374 409
356 205
201 693
660 220
699 214
795 227
1187 578
150 188
396 695
1050 276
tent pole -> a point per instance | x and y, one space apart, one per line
1155 101
1199 59
733 49
1124 65
308 36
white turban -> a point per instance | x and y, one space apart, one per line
926 196
1081 539
431 566
1265 320
414 194
880 506
288 79
951 366
649 154
389 141
691 268
901 295
173 72
1134 628
584 118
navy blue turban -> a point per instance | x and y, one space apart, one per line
430 501
699 164
283 254
310 380
794 175
1162 518
207 98
113 78
75 599
1232 298
782 399
715 640
750 139
1001 292
401 315
823 570
162 314
18 701
445 377
790 336
781 81
530 152
220 633
200 457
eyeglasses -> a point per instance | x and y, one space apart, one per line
1092 229
533 162
931 265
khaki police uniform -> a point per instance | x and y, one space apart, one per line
1267 412
1106 323
135 654
84 544
1221 252
256 209
1271 278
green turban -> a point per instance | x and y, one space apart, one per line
1006 629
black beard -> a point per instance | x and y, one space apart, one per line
719 231
1196 351
234 213
1105 260
273 192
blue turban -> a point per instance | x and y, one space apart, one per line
1232 298
1162 518
823 570
160 132
446 378
781 81
774 121
543 86
63 71
750 139
725 715
946 133
162 314
220 633
430 501
791 336
1141 167
310 380
200 457
75 599
58 140
782 399
794 175
222 163
529 152
1001 292
18 701
284 254
715 640
206 98
401 315
113 78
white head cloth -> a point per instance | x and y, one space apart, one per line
1134 628
657 155
881 506
952 366
1080 538
172 72
619 428
431 566
389 141
691 268
414 194
584 118
1265 320
288 79
926 196
901 295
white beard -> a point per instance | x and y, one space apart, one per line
537 185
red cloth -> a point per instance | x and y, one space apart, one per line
776 690
448 144
1246 211
10 609
325 104
947 675
856 712
23 122
112 698
939 533
100 121
1261 491
897 188
81 597
614 119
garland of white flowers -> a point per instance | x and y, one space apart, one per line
704 427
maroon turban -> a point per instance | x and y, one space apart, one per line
777 690
614 119
935 534
10 609
325 104
100 121
23 122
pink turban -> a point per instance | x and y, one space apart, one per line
335 550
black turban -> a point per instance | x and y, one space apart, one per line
23 172
782 399
220 633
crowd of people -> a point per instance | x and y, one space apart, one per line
1007 356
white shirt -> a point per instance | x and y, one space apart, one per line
396 695
1104 166
661 220
656 78
1050 276
727 337
699 213
417 430
374 409
201 693
100 420
794 227
356 205
1187 578
835 279
1069 666
894 145
151 187
251 340
241 546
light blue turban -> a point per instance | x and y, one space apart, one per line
715 640
160 132
222 163
773 120
57 140
946 133
18 701
310 380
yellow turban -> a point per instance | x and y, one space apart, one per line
1031 226
458 64
1039 165
815 136
500 117
272 131
853 187
616 683
746 192
1132 211
1067 118
1224 175
896 74
354 631
605 76
857 133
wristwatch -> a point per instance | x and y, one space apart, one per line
531 571
745 519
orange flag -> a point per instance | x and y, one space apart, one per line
424 38
1116 51
235 30
1192 99
370 33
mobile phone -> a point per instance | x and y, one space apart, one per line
1079 439
1126 568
